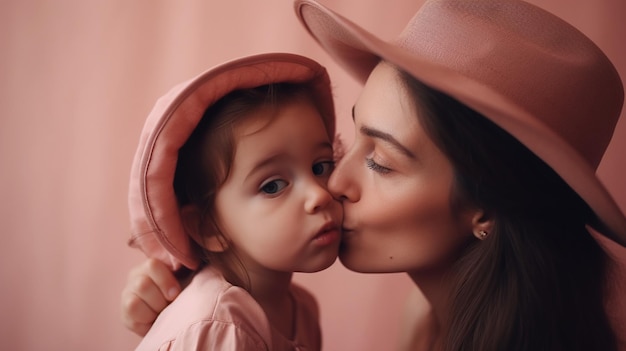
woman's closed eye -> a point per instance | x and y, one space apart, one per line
371 164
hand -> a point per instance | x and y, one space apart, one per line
151 286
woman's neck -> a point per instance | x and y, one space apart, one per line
434 288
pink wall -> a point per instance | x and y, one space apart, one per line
77 79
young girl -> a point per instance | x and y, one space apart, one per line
229 180
478 132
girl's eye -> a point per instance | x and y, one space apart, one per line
274 186
323 168
371 164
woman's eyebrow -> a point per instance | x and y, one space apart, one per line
388 138
375 133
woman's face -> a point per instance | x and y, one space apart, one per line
395 185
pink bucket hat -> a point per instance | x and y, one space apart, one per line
525 69
156 226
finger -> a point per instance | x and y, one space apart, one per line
163 278
136 314
143 289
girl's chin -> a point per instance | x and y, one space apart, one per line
325 263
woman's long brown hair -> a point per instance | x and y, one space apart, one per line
538 281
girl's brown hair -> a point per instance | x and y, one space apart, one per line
538 281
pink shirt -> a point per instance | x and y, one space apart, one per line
212 314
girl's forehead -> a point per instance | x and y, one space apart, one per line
284 125
264 115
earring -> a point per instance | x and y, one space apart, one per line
482 234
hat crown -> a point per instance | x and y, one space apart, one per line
560 77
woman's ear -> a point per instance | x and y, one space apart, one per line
482 224
204 233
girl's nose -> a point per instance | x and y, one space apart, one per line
318 197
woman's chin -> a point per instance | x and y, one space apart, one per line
361 264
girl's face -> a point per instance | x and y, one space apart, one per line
274 207
395 185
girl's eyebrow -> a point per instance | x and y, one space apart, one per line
264 163
386 137
278 157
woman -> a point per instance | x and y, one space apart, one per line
477 135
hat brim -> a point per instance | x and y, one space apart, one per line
156 225
358 51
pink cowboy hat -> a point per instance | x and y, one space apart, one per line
525 69
156 225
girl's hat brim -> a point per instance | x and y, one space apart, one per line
156 225
528 71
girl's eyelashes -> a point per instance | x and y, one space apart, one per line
273 186
323 168
276 185
371 164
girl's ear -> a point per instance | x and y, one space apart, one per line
482 224
204 233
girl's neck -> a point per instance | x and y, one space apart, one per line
269 287
272 291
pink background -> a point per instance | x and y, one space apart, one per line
77 79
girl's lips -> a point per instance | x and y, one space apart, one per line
327 236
